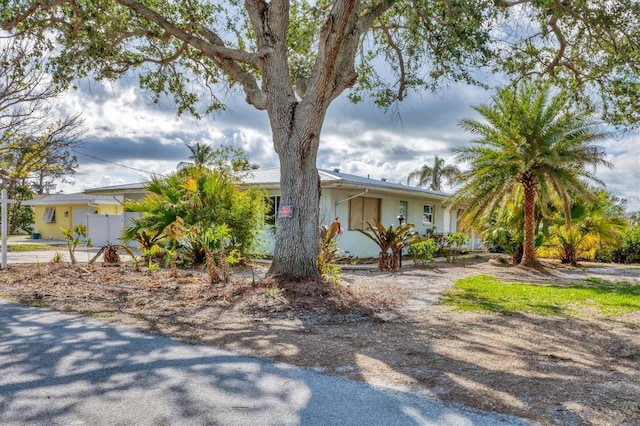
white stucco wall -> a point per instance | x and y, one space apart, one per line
335 203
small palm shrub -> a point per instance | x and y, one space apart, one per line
74 237
329 253
391 241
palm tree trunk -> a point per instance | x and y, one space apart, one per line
529 247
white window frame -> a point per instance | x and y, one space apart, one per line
49 215
272 215
427 216
404 209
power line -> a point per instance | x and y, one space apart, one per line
114 163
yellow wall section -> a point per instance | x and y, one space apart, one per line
52 230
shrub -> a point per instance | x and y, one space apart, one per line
455 244
392 239
187 202
423 251
630 250
329 253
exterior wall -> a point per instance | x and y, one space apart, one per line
65 218
52 231
334 203
110 209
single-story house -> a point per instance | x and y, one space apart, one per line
353 199
101 214
356 200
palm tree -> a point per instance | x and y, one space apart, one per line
202 155
432 177
531 142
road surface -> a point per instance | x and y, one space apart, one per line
57 369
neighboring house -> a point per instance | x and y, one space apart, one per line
353 199
101 214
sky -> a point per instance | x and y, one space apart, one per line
124 126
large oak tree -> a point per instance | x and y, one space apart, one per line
293 58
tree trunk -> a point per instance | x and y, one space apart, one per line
529 247
387 261
297 237
296 122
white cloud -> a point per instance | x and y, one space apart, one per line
125 127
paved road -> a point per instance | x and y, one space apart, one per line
82 254
57 369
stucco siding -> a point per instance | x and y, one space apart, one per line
335 203
64 218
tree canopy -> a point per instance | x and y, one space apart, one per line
293 58
36 147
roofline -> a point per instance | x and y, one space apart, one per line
44 202
334 179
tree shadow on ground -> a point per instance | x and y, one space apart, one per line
59 369
551 369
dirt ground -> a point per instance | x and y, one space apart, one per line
384 328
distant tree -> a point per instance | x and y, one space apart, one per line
201 155
225 157
36 150
532 142
433 176
26 89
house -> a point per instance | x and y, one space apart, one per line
99 213
353 199
356 200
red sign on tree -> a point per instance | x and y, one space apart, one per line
285 210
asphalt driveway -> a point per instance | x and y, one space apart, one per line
60 369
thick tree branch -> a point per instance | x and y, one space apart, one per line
400 56
213 47
35 6
562 44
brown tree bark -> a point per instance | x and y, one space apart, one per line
529 258
296 248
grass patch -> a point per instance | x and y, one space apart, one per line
484 293
28 247
91 313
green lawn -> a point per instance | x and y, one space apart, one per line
487 293
29 247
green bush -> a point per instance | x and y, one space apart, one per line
630 250
181 206
456 243
423 252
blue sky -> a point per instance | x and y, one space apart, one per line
124 126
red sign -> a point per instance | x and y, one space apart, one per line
285 210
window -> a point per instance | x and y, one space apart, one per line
272 213
403 209
361 210
427 215
49 215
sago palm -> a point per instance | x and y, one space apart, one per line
434 176
532 141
